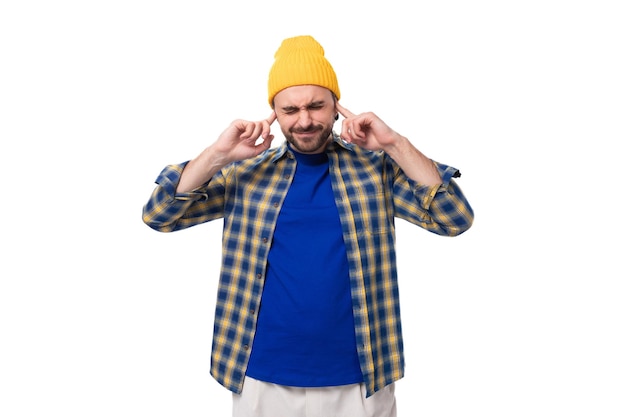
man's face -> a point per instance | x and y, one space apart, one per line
306 114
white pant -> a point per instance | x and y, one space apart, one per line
263 399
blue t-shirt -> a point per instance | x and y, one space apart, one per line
305 329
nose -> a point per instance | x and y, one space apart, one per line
304 118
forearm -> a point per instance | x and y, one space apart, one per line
200 170
413 163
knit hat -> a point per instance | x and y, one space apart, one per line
299 61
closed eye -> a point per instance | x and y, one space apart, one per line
316 105
290 110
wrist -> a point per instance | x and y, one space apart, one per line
398 147
213 158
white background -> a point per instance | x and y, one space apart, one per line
523 315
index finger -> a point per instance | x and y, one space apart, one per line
272 118
344 112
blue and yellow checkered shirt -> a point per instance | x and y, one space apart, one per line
370 191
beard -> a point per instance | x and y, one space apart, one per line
315 141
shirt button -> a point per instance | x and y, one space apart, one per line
264 240
259 276
246 347
275 204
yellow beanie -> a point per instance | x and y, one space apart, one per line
300 61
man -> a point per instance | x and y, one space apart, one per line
307 316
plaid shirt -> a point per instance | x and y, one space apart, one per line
370 190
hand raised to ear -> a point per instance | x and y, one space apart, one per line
241 139
237 142
366 130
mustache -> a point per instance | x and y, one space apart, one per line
308 129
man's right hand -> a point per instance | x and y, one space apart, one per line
239 141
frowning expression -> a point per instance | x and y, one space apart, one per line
306 114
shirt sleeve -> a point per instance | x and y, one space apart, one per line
167 211
442 209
